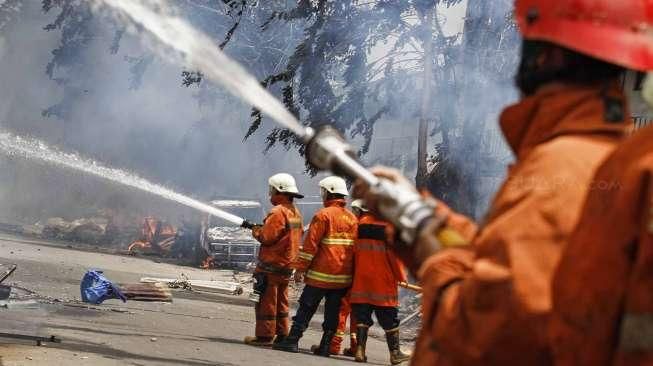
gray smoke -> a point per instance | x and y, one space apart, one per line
156 129
128 110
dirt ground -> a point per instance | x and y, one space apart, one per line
196 329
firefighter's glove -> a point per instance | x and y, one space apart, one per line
397 200
249 225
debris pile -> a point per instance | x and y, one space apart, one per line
92 230
410 313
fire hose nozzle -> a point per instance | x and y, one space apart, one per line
405 208
327 150
400 204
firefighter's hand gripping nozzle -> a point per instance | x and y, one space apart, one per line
247 224
398 203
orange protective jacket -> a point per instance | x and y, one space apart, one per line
603 288
376 269
488 303
280 237
327 256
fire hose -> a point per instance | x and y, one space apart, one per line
326 148
410 286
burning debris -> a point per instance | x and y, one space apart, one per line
157 236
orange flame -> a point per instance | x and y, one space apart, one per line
208 263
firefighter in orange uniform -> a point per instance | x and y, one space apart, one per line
490 302
280 237
374 290
603 288
327 261
345 310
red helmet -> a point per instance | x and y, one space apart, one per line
616 31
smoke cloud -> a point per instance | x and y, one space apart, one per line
128 109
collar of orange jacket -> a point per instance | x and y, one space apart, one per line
280 199
335 202
560 109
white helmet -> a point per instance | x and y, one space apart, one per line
359 205
335 185
284 183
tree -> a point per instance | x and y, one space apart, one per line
73 66
332 79
489 61
346 63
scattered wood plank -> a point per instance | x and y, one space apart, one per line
221 287
146 292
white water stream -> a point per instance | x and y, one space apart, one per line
199 51
38 150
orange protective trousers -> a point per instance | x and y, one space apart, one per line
345 312
272 309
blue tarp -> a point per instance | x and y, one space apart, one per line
96 288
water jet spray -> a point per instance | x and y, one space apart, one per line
326 148
38 150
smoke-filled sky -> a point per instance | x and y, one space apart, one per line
155 129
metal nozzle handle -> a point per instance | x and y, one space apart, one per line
328 150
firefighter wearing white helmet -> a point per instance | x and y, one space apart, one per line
326 259
333 185
358 207
280 237
284 183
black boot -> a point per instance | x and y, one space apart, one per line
279 338
325 344
361 335
291 342
396 356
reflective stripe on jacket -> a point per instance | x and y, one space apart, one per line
376 269
327 253
280 237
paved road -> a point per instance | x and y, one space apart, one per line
194 330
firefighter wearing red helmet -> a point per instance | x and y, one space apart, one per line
602 289
487 293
